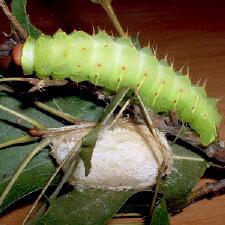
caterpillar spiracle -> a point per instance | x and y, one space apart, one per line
113 63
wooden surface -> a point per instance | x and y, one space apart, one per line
191 33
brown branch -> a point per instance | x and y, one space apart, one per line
205 190
214 151
23 34
43 83
38 83
6 89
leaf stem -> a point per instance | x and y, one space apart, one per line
26 118
35 151
156 191
150 126
19 140
120 112
106 4
13 20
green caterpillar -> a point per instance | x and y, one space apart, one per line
116 63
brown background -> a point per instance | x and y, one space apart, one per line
192 33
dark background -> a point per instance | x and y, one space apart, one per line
191 33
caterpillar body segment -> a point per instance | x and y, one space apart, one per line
115 63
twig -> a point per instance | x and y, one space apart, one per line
120 112
53 131
206 189
6 89
44 83
38 83
151 126
214 151
13 20
32 81
156 191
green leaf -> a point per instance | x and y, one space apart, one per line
86 155
42 167
19 11
160 215
78 107
38 171
188 168
33 178
93 207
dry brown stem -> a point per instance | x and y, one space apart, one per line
22 33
